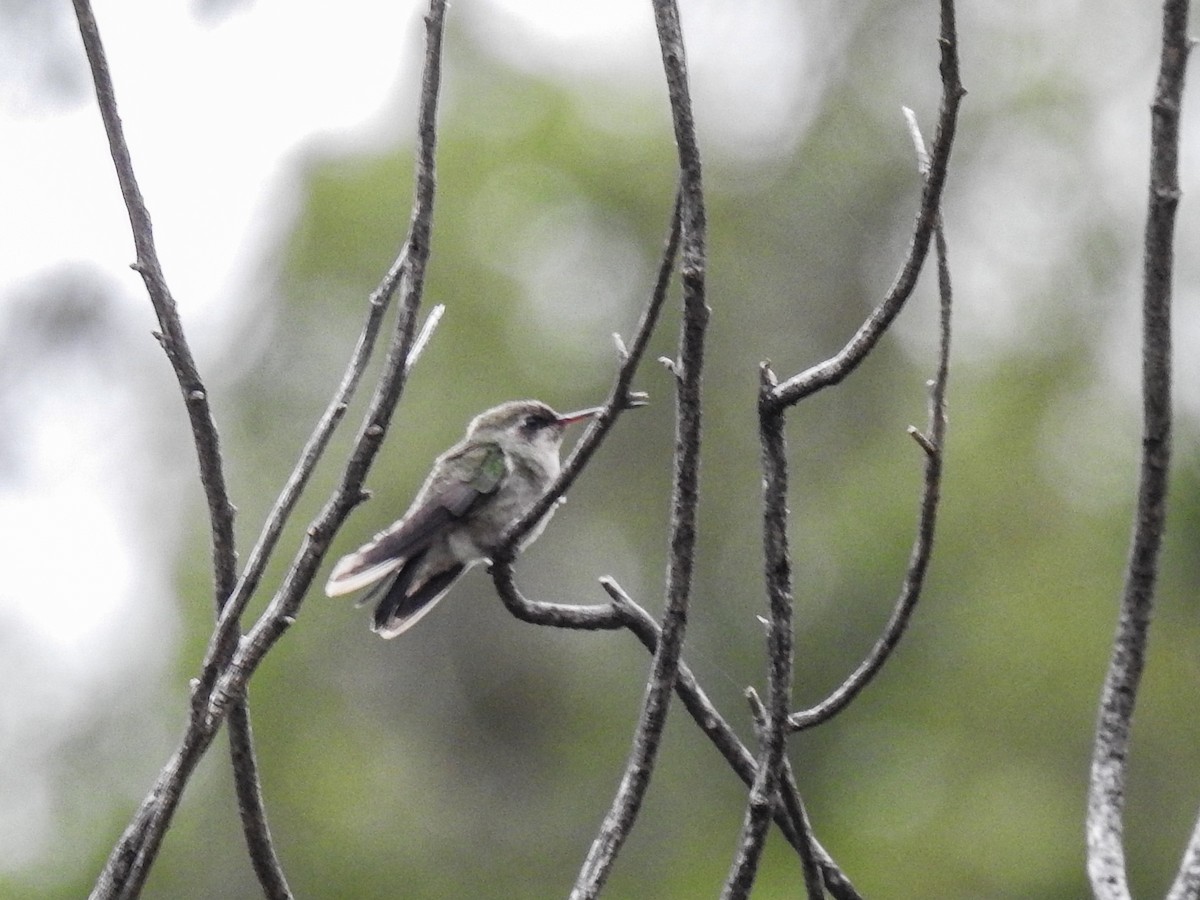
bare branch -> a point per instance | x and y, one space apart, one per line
204 435
251 807
223 641
1187 882
408 274
133 855
627 802
564 615
933 443
837 367
195 395
1106 792
777 575
721 735
809 862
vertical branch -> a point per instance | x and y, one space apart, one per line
685 494
1106 794
764 794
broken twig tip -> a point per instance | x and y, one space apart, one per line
914 132
767 374
622 350
925 443
635 399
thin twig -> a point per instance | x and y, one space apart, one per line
1186 885
1106 792
133 855
833 370
195 395
206 439
223 641
559 615
932 442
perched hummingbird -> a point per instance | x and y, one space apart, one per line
477 488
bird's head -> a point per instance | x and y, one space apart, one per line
525 423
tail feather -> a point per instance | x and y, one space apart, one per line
354 571
401 605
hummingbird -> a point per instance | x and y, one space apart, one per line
475 490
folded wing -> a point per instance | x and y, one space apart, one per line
477 471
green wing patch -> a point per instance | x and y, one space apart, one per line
490 468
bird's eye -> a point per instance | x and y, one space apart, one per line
535 422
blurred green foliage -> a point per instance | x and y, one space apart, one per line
475 756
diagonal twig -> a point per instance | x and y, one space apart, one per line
407 275
560 615
719 733
790 796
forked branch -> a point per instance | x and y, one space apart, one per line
205 438
230 662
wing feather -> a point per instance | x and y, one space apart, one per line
439 507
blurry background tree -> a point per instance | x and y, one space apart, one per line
474 756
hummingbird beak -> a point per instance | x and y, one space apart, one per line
578 416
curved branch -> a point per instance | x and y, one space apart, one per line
933 443
1106 790
562 615
195 395
837 367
